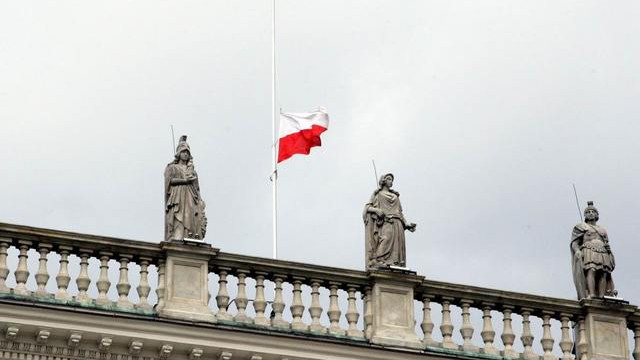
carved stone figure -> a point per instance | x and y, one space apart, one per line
384 227
592 259
184 207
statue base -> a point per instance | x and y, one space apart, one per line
392 269
606 328
615 299
392 308
186 282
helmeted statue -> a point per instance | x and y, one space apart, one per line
592 259
184 207
384 227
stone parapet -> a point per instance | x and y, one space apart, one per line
197 284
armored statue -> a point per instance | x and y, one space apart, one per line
384 227
184 207
592 259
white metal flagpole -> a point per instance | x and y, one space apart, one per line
274 153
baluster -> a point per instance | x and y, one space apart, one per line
42 276
352 314
4 269
103 284
160 289
222 299
368 313
466 330
508 336
315 310
487 333
260 303
427 324
334 310
123 285
446 328
83 281
566 344
63 279
582 345
278 304
636 337
297 307
547 339
22 271
527 337
143 287
241 299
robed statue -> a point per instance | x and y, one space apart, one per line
384 227
592 259
184 207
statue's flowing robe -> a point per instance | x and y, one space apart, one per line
384 236
184 208
588 252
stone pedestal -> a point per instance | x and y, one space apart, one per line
186 281
605 328
392 308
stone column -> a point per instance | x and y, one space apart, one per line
466 330
392 308
186 281
605 329
4 269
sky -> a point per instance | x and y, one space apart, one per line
486 112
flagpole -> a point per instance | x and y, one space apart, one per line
274 175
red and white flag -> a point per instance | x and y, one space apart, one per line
299 132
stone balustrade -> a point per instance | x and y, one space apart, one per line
90 288
198 283
337 313
498 308
634 327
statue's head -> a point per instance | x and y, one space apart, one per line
386 180
183 152
590 212
184 155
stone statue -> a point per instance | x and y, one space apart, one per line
384 227
592 259
184 207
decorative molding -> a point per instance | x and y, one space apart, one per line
74 339
42 335
165 351
135 347
12 332
104 343
19 350
196 354
225 356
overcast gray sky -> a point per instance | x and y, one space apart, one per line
486 111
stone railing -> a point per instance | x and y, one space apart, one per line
634 326
196 282
505 304
323 319
54 251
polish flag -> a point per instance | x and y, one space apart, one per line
300 132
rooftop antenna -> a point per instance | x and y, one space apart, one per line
173 140
375 171
577 202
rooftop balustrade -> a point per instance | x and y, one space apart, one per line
297 299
